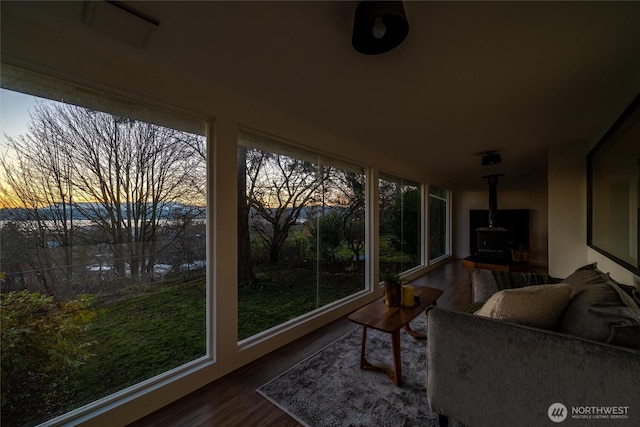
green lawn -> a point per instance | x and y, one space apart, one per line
141 337
283 293
137 338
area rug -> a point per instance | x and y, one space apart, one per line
330 389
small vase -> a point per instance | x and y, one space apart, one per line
392 294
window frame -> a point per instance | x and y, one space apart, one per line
116 407
279 145
447 237
422 259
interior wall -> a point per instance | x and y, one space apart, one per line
568 248
567 180
567 214
532 196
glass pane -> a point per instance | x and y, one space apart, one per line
300 233
438 200
102 258
340 230
400 231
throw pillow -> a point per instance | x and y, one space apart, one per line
540 306
630 291
598 310
585 275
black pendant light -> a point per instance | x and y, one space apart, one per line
379 26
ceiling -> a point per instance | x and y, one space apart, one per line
470 77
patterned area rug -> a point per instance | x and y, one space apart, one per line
330 389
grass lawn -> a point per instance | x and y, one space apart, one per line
141 337
137 338
282 293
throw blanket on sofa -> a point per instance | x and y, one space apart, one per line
487 282
507 280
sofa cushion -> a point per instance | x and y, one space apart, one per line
601 310
625 336
483 284
540 306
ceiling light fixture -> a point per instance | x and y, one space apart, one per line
379 26
491 158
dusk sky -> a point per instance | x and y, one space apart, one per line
14 114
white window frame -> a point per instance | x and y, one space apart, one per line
120 406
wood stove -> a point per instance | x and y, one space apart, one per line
493 242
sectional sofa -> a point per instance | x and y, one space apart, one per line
537 351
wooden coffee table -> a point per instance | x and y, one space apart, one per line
378 315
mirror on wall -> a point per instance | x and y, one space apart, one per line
613 168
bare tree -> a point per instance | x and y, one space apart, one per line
279 188
352 189
133 180
38 187
135 172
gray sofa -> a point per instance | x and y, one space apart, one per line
484 371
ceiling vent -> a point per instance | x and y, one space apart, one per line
119 21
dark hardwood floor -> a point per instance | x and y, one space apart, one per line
232 399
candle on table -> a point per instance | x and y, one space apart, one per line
407 295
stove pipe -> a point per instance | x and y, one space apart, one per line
493 197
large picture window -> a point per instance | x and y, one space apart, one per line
301 232
400 228
438 223
103 247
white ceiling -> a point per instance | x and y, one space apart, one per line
470 77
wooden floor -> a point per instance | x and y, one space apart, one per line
233 401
